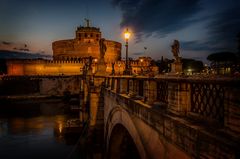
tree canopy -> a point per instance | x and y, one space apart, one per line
222 56
195 65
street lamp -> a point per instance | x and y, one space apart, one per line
141 65
127 36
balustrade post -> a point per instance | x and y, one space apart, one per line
179 98
123 86
108 82
112 83
131 92
232 109
116 86
135 87
150 91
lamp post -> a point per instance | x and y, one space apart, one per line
95 65
141 65
127 36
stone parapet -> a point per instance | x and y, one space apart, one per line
210 100
193 139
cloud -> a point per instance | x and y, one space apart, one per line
6 43
137 53
224 27
11 46
199 46
21 49
157 17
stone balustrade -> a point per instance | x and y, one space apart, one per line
212 100
199 116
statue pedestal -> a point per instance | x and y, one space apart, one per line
176 67
101 68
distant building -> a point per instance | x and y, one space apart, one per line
140 66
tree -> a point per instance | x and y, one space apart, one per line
222 57
194 65
163 65
222 61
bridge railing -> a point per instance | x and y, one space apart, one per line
214 100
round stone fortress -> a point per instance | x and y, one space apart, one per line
85 44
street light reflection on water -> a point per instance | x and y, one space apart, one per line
35 137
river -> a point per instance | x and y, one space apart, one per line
32 130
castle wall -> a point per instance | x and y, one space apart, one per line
43 67
43 85
113 52
74 49
58 85
15 69
75 67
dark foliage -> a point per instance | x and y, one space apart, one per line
222 56
195 65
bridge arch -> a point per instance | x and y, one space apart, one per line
121 134
121 144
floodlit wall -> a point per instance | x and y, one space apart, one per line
73 49
43 67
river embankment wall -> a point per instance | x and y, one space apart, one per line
39 85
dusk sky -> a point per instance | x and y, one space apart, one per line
201 26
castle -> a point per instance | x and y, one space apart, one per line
85 44
70 57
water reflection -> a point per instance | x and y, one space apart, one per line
34 137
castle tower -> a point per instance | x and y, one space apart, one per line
88 34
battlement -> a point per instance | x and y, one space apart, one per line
88 29
43 61
62 43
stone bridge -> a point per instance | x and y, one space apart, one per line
157 117
174 117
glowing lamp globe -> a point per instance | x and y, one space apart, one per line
127 34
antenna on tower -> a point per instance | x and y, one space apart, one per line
87 10
87 17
